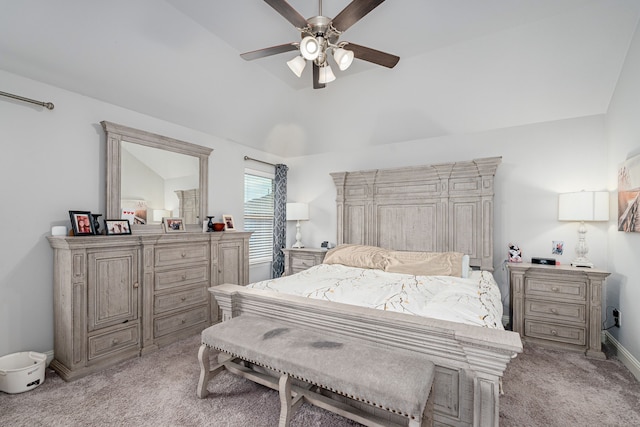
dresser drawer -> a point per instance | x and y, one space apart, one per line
555 332
566 290
181 254
114 341
181 277
555 311
179 300
169 324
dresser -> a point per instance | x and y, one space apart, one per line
118 297
558 305
299 259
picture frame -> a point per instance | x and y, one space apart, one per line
173 225
117 227
229 224
81 223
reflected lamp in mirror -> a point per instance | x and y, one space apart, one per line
298 212
583 206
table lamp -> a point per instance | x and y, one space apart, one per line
297 212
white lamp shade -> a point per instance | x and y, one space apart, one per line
584 206
326 75
297 211
310 48
343 58
297 65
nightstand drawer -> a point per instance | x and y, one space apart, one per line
555 311
302 263
546 288
555 332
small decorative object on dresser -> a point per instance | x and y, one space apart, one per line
96 223
558 305
210 224
173 225
228 222
117 226
299 259
81 223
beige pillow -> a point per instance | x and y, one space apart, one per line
359 256
425 263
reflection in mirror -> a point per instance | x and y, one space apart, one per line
158 183
151 176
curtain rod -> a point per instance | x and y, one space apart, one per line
259 161
48 105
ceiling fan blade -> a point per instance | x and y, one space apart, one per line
268 51
288 12
316 77
372 55
354 11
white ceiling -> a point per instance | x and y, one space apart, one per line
466 65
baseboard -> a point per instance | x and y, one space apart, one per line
622 354
49 356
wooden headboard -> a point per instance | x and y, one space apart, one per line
433 208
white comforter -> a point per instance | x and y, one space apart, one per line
474 300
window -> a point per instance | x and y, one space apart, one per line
258 214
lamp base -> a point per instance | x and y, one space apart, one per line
298 245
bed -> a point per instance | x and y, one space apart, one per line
434 209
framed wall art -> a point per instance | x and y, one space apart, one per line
81 223
117 226
628 195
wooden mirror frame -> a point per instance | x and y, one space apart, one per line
116 134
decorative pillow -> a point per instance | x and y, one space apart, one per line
425 263
359 256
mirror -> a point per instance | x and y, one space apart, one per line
151 176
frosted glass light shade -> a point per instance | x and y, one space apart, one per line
343 58
297 211
583 206
310 48
326 75
297 65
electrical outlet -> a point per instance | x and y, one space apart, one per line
617 318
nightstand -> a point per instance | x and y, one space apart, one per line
558 305
299 259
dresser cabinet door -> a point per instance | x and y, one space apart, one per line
112 288
231 263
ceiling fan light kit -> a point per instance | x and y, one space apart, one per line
320 37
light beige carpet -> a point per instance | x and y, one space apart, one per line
543 388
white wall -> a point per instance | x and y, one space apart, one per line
538 162
53 162
623 134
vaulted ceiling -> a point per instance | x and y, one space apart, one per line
466 65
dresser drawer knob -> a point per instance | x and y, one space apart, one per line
554 311
183 299
184 254
554 332
555 289
114 341
136 285
184 277
183 321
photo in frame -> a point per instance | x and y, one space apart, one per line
117 226
173 225
229 225
81 223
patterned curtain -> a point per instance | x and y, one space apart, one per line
279 220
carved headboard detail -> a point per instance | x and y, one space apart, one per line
435 208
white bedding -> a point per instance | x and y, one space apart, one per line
474 300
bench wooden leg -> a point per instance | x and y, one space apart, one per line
288 403
206 372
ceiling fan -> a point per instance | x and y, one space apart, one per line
319 36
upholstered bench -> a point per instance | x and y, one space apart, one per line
396 381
